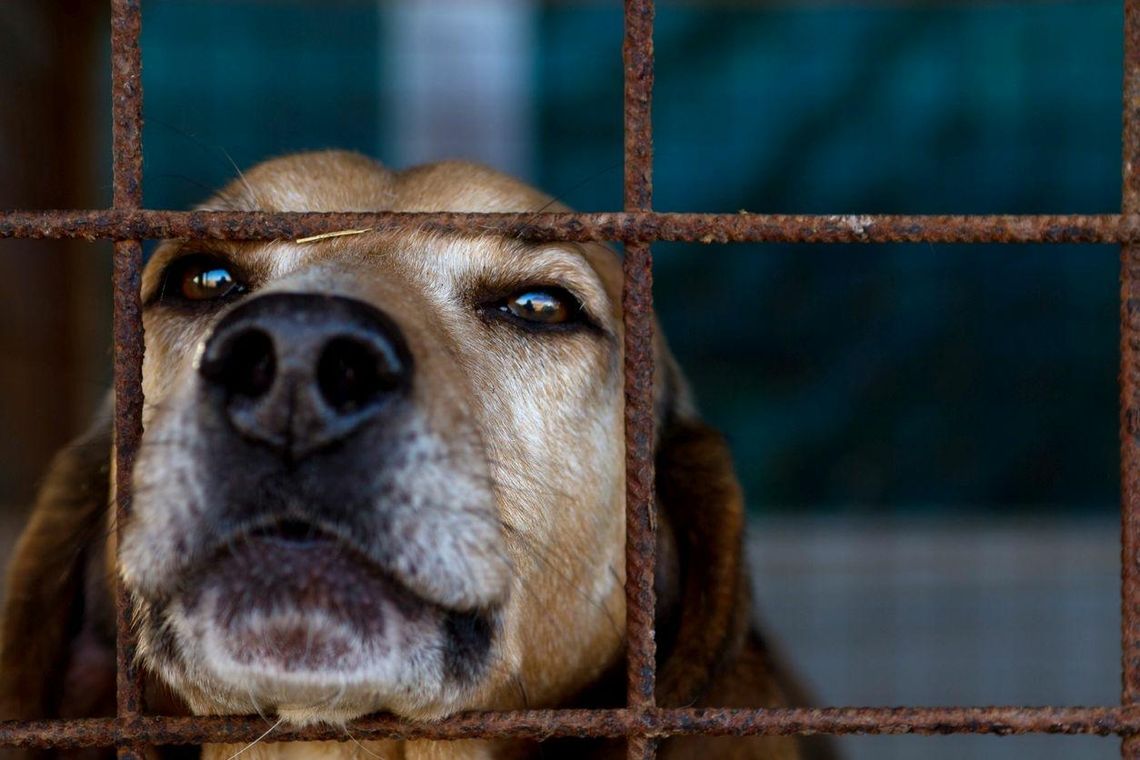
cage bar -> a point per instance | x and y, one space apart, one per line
126 90
637 309
1130 381
637 315
637 58
628 227
580 723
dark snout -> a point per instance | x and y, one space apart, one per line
298 371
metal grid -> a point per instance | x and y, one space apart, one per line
641 722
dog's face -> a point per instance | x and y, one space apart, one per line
385 472
378 471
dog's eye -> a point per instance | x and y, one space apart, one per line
545 306
200 278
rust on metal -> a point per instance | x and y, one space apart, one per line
640 561
545 724
126 109
628 227
637 315
1130 380
128 351
126 102
637 58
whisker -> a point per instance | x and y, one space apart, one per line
363 749
256 741
256 707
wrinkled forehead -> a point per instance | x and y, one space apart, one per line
344 181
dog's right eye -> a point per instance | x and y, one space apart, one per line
200 278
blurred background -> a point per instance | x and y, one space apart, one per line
927 434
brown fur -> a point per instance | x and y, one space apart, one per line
58 632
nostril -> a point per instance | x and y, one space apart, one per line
351 374
246 366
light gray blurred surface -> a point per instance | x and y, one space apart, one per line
946 612
464 74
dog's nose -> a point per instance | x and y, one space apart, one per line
299 371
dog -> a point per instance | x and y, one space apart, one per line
385 472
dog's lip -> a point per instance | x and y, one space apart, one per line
288 594
293 533
468 577
288 599
302 541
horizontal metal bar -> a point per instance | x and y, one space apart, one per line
542 724
618 226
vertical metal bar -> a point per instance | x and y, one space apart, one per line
1130 379
641 534
637 55
637 308
126 92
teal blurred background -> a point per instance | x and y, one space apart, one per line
848 378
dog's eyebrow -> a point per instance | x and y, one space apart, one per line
563 265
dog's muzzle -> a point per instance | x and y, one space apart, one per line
309 522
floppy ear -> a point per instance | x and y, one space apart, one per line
57 640
703 599
709 651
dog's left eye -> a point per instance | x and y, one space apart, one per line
544 306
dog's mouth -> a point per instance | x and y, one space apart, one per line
292 533
294 597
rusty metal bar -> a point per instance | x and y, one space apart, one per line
126 92
1130 380
125 224
126 103
637 58
641 504
637 315
637 311
543 724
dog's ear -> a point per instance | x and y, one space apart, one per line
57 639
709 652
702 594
